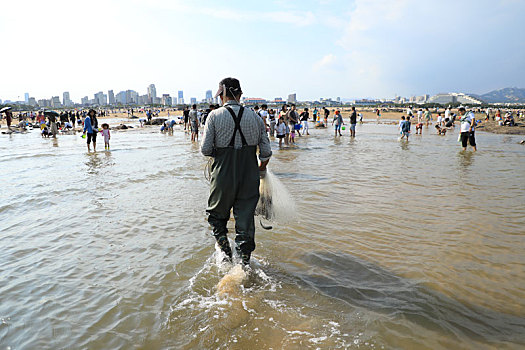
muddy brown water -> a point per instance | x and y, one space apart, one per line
408 245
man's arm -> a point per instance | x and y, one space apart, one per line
265 149
208 140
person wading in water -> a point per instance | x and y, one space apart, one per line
231 136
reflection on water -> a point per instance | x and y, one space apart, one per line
95 161
396 244
465 159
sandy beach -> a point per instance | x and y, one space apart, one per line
369 115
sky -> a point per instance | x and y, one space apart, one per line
315 48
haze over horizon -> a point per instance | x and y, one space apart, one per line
315 48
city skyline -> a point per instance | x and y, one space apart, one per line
132 97
352 49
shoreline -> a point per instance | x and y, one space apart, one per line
389 117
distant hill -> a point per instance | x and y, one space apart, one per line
506 95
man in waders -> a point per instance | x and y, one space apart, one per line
231 136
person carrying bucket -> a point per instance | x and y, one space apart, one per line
231 136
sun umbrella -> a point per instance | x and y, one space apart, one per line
5 109
49 113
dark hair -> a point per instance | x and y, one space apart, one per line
353 108
194 106
403 117
264 105
292 105
306 109
92 110
233 87
256 107
462 109
437 126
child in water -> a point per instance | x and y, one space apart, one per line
281 130
440 130
105 132
404 127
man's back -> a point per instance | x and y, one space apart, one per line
220 126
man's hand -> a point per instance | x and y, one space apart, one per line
262 166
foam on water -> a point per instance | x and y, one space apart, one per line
231 282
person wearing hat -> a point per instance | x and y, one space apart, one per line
231 136
467 128
91 128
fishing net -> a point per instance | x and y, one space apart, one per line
265 205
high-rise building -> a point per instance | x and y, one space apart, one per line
166 99
26 97
292 98
55 102
31 102
101 99
84 100
152 93
193 100
209 96
66 99
44 103
132 97
121 98
111 97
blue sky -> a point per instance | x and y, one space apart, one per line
315 48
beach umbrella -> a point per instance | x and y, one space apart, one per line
49 113
5 109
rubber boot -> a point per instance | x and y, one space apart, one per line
224 244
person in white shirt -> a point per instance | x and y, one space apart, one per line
447 114
263 113
439 119
281 130
467 128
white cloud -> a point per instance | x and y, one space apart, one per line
326 62
417 47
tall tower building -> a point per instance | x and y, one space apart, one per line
101 99
26 97
152 93
209 96
111 97
181 97
65 99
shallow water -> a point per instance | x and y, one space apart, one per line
394 245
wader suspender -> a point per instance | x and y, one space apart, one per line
237 121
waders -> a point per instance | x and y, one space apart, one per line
234 184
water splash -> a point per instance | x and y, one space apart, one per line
231 282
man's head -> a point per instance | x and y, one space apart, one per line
264 107
462 110
292 106
256 108
229 89
194 106
402 117
353 108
